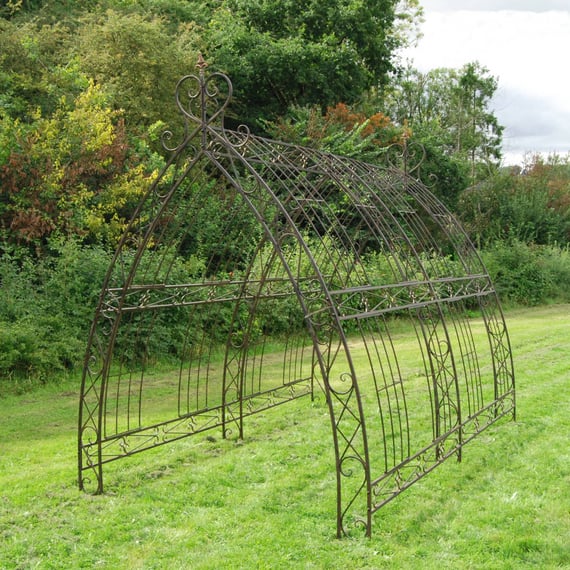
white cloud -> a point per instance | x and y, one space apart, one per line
525 50
531 126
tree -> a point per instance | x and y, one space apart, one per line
409 18
302 52
138 62
477 133
453 105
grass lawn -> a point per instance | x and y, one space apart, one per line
269 501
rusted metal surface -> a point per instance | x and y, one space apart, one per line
344 251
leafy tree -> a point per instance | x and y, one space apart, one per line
453 106
407 25
282 53
476 130
138 61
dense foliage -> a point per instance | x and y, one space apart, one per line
86 88
281 53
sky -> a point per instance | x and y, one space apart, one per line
525 44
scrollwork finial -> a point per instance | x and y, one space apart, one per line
202 64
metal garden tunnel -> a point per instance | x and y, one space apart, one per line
332 257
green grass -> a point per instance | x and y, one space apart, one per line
269 502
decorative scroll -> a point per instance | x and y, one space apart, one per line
345 255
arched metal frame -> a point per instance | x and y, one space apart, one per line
349 249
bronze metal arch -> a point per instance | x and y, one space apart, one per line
330 256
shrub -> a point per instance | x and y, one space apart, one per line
19 354
45 309
529 274
34 350
556 262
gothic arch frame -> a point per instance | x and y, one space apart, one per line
396 413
